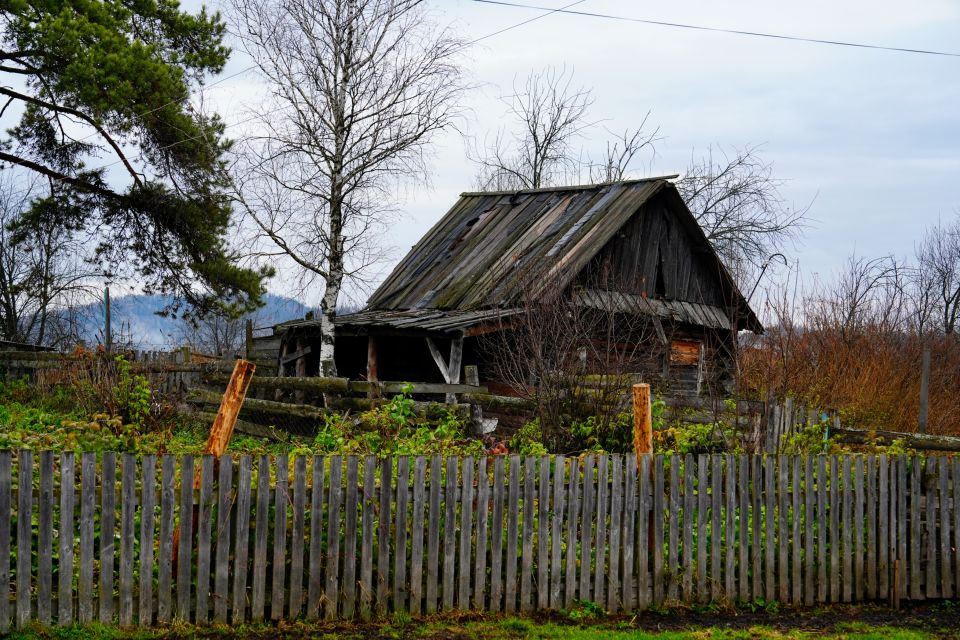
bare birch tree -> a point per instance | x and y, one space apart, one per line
357 89
551 113
937 280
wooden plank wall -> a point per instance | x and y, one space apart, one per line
284 538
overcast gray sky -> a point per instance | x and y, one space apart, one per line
870 137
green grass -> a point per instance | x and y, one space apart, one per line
452 627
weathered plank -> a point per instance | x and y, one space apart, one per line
529 511
783 534
128 508
644 500
332 590
659 572
858 548
513 505
871 528
628 569
66 530
743 558
168 501
809 557
297 537
716 535
769 525
221 562
184 552
466 533
729 530
433 533
756 549
796 580
400 548
600 541
955 477
315 576
241 547
673 535
703 497
946 552
822 583
25 536
45 541
108 534
5 519
496 537
449 535
847 529
614 595
835 594
689 524
543 514
886 551
570 550
366 545
261 531
349 583
916 562
416 535
930 529
383 536
480 560
204 534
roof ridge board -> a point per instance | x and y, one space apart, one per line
579 187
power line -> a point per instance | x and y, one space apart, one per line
534 19
758 34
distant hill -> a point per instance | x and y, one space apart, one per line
135 318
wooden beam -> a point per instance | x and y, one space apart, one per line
642 421
919 441
438 359
296 355
230 406
372 359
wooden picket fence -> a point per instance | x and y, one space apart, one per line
92 538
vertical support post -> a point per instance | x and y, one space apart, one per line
924 391
230 406
248 338
642 421
107 331
373 365
471 376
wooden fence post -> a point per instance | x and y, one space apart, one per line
642 421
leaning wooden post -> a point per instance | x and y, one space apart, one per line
642 421
226 419
221 431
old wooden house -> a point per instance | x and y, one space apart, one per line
630 248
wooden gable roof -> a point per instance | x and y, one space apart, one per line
477 256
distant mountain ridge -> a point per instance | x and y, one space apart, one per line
134 319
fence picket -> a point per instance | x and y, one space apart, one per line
858 549
433 534
168 501
543 512
915 560
946 560
716 509
242 540
332 592
204 539
702 506
416 540
5 519
25 536
643 534
108 498
128 508
689 523
808 540
834 529
871 528
45 540
65 529
600 541
184 552
449 534
743 584
769 519
730 510
570 552
365 585
629 534
614 597
673 535
400 548
466 532
221 580
261 532
383 536
556 531
297 536
496 539
480 553
510 570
